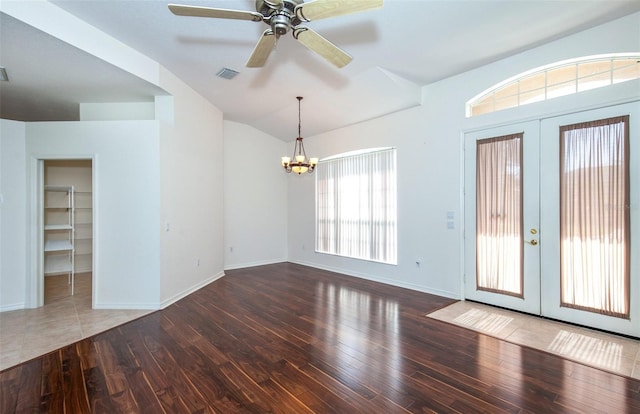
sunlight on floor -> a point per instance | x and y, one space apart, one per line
609 352
484 321
596 351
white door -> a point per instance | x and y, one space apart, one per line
545 285
610 304
501 219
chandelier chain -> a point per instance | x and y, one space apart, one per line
299 99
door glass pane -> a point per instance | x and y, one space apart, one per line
499 264
594 216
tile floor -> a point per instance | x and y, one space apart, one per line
612 353
64 319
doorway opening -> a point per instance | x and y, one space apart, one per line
68 231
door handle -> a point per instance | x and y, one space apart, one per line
532 242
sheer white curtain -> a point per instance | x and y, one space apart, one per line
499 261
356 213
594 216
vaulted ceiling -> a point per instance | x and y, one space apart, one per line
396 50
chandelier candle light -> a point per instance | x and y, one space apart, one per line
299 163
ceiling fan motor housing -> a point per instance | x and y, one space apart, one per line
280 23
279 15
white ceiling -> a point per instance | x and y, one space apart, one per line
396 50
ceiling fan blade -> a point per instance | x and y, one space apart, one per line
322 46
321 9
262 50
196 11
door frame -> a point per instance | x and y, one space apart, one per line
35 282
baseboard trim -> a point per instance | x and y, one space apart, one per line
190 290
15 306
386 281
253 264
164 303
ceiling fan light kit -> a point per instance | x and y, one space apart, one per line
283 16
299 163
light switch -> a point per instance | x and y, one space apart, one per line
451 220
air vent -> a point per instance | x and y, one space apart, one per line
227 73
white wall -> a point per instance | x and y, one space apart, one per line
13 215
167 161
117 111
428 141
126 163
425 194
192 188
149 174
255 197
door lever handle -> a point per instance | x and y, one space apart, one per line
532 242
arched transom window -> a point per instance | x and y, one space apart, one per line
558 79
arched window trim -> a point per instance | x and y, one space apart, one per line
545 68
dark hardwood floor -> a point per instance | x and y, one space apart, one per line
286 338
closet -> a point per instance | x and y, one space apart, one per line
68 224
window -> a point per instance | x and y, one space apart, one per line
356 214
558 79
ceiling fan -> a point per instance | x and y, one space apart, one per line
284 15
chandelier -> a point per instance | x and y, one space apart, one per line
299 163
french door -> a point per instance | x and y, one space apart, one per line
530 244
501 218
